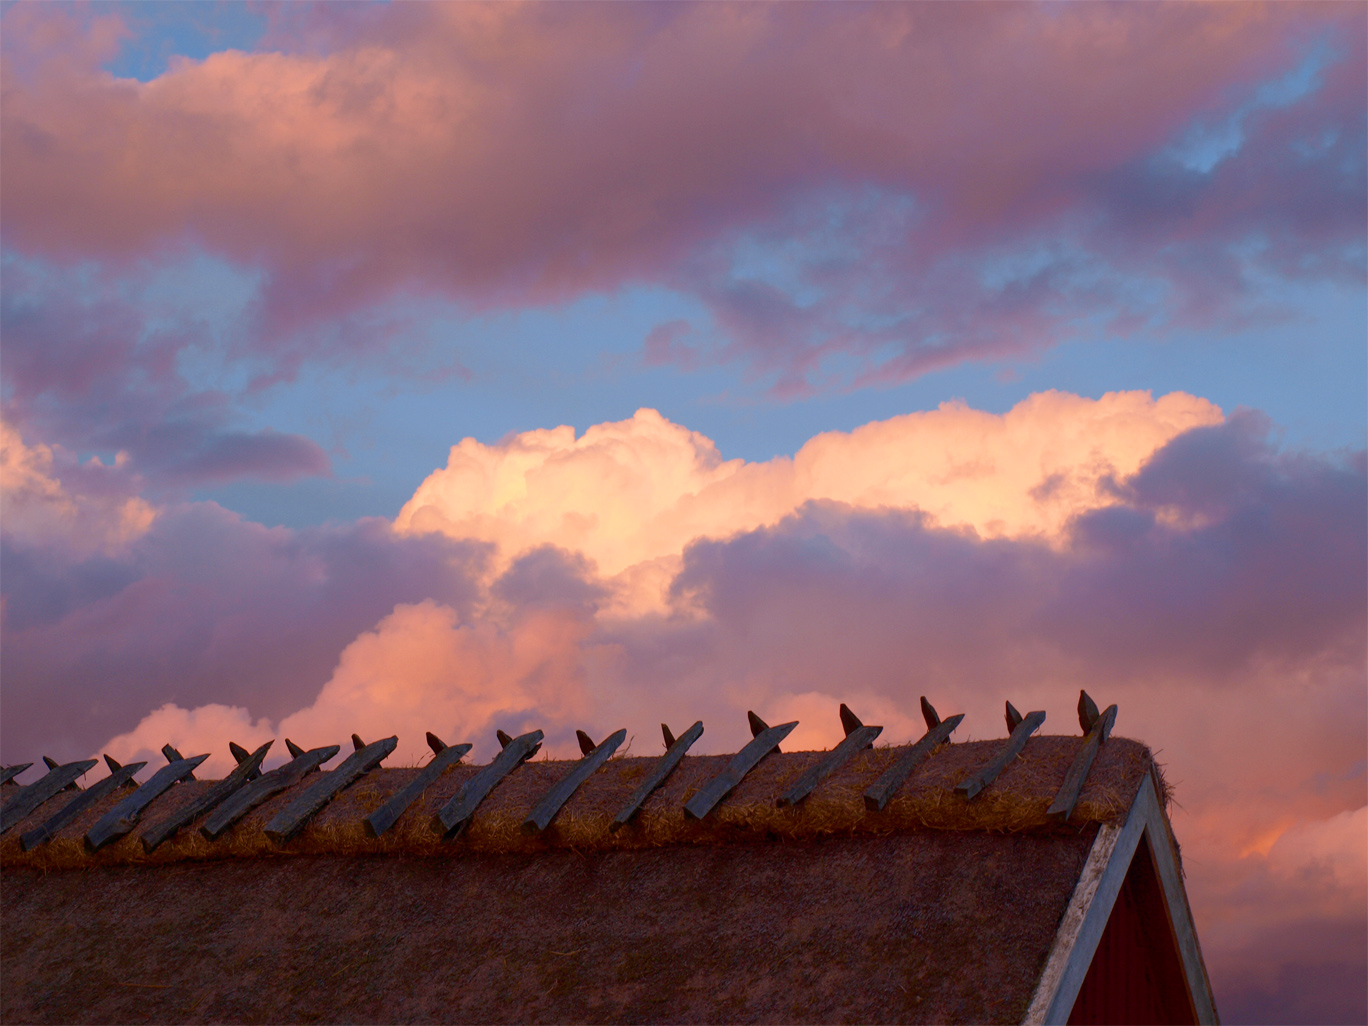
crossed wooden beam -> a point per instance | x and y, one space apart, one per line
228 801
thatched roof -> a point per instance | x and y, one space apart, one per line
936 909
1014 802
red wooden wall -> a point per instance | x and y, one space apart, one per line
1136 976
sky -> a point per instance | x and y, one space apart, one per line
417 367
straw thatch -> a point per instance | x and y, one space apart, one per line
1016 801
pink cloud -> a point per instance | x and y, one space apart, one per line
514 155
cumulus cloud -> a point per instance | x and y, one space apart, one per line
37 510
817 188
640 490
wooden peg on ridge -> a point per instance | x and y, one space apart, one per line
1013 717
437 745
929 714
669 738
357 743
586 742
758 727
295 750
1087 712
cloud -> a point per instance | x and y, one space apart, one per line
906 187
640 490
39 511
100 364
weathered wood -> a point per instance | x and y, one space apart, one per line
758 726
437 745
172 755
1087 712
263 787
78 804
547 808
121 819
674 753
505 740
586 743
294 749
742 763
1067 797
241 755
286 823
357 743
1013 718
857 740
454 815
986 774
385 817
35 794
52 764
849 721
929 714
8 774
876 796
247 770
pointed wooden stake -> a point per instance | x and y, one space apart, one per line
876 796
504 739
8 774
986 774
586 743
551 804
247 769
929 714
444 758
669 738
1063 805
858 737
759 726
286 823
1087 712
677 747
742 763
437 745
242 755
456 813
358 744
849 721
1013 717
35 794
172 755
263 787
73 786
121 819
295 750
78 804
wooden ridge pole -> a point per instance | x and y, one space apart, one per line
1022 728
858 738
444 757
674 752
121 819
877 795
35 794
550 805
41 835
292 819
263 787
742 763
454 815
1063 805
248 769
